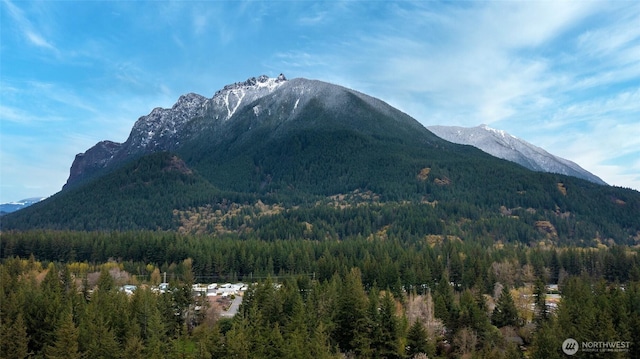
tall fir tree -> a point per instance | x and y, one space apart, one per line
351 318
389 328
547 342
505 313
14 342
418 340
65 345
540 302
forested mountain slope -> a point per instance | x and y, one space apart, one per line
267 156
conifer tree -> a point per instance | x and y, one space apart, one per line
388 322
154 332
576 316
65 345
547 343
540 294
505 313
14 341
42 306
105 281
320 347
296 331
351 318
102 343
237 340
373 320
418 341
445 306
133 348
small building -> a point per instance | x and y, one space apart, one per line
128 289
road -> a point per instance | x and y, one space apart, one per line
233 308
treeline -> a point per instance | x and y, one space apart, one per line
387 261
51 313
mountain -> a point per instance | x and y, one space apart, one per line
503 145
166 129
260 108
14 206
275 158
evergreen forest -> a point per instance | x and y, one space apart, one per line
376 297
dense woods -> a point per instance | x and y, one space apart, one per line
362 297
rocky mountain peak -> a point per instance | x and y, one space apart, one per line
227 101
189 100
163 129
262 81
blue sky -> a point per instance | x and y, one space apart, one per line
563 75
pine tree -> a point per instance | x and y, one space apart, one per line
576 315
389 328
133 348
505 313
373 320
96 337
237 340
540 294
319 347
351 318
445 307
14 342
103 344
43 310
296 330
105 281
418 341
66 340
154 334
547 342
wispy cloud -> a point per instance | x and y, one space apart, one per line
8 113
27 28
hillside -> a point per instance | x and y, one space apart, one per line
271 158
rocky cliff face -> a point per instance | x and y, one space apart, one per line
503 145
165 129
95 158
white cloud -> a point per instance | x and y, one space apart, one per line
26 27
8 113
38 40
620 36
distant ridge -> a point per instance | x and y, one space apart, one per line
10 207
500 144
